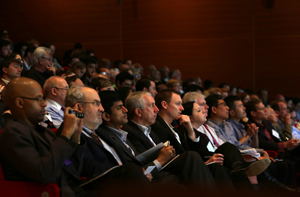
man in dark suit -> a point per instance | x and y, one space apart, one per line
30 152
188 166
101 153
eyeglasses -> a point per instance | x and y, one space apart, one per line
61 88
39 99
49 59
223 103
95 103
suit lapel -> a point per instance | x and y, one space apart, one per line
141 134
116 140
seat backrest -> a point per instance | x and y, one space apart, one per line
1 173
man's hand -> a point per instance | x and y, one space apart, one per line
216 158
166 154
265 155
291 143
287 119
252 130
51 69
72 126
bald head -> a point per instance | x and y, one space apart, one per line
55 88
23 97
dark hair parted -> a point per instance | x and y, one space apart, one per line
251 106
229 100
108 98
164 95
143 83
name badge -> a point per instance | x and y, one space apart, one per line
275 134
210 147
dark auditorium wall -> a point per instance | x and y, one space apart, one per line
250 43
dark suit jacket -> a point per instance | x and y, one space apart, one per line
264 142
37 76
138 138
105 131
36 154
162 130
201 146
97 158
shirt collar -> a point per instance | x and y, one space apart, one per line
236 124
55 104
146 130
120 133
6 81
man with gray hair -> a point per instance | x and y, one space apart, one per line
142 113
55 91
42 67
101 154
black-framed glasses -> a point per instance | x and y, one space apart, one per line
49 59
95 103
66 88
39 99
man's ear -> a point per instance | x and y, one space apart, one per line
118 83
276 112
97 90
138 112
4 69
78 107
164 104
53 91
145 89
231 113
106 116
40 60
19 102
253 113
214 109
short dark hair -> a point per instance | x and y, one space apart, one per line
89 60
30 49
79 65
193 88
212 101
143 83
99 82
223 84
230 101
274 105
122 76
108 98
187 82
6 62
251 106
71 79
4 43
164 95
123 93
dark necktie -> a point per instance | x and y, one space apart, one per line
96 137
62 108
